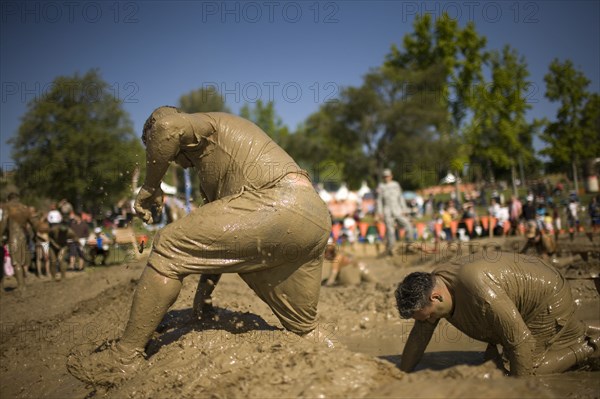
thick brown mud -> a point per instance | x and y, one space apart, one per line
246 353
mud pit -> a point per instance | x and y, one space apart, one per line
245 353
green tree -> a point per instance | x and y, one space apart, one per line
499 132
203 100
451 58
76 142
313 147
573 136
266 118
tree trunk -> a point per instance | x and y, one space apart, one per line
513 172
522 171
575 178
457 189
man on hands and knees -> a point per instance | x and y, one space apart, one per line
259 207
524 305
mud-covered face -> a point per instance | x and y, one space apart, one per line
428 313
433 311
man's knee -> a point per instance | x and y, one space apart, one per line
291 294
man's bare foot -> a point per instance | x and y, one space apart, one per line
108 365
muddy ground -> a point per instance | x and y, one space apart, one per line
245 353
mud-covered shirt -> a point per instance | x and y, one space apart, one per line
518 302
231 154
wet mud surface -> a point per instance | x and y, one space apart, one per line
245 352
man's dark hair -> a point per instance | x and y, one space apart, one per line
152 119
413 293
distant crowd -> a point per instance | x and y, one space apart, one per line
538 212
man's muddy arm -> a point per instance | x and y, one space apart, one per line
335 269
415 346
161 148
517 340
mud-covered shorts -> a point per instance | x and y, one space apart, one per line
274 238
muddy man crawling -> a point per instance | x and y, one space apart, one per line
524 305
261 218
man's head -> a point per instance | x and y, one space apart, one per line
156 115
12 196
422 297
387 174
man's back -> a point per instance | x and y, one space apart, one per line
488 293
231 154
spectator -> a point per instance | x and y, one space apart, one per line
54 216
391 206
82 232
66 209
529 209
99 244
594 212
60 236
515 212
572 216
42 249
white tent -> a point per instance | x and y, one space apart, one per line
342 193
364 189
449 179
166 188
324 194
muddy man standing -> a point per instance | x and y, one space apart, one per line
16 218
261 218
523 305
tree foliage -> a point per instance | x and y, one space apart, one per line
202 100
266 118
575 134
407 113
498 133
76 142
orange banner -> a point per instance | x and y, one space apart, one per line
438 229
363 227
484 222
336 229
420 229
454 227
381 229
469 224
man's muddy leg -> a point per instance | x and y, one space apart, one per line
20 275
291 293
203 307
153 296
562 360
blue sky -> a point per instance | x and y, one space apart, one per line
297 53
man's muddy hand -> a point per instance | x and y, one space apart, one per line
146 199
